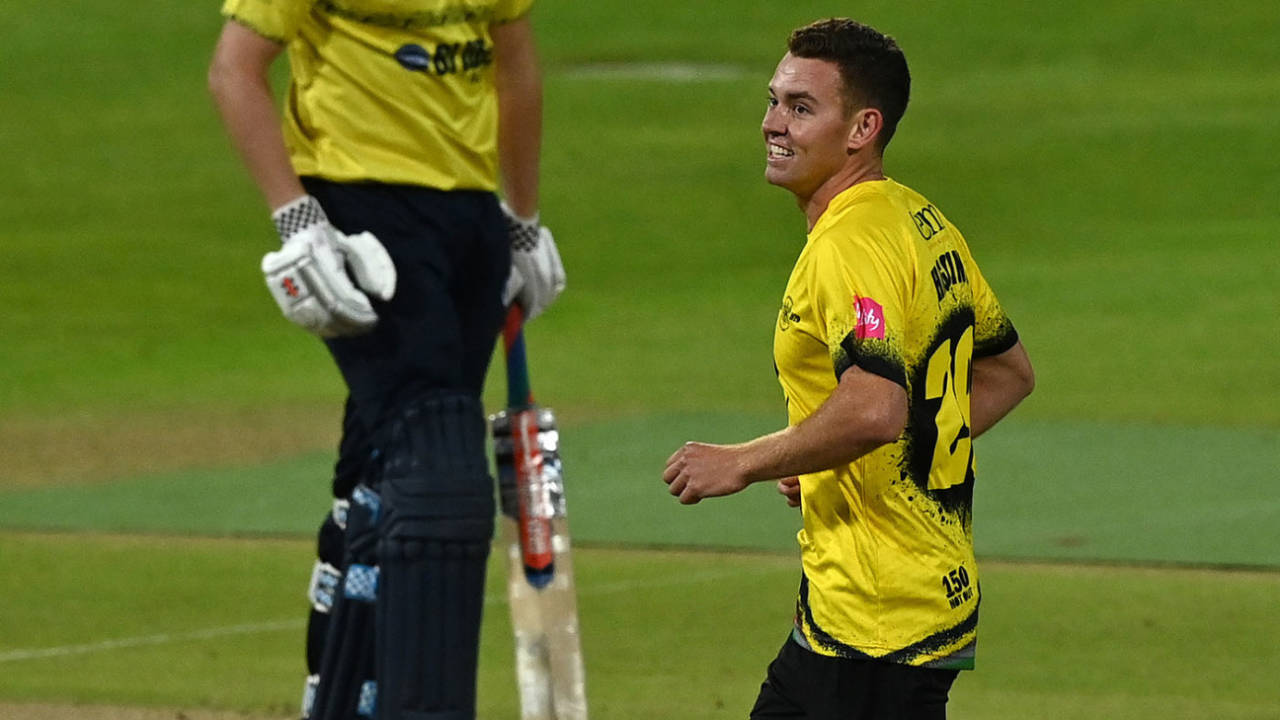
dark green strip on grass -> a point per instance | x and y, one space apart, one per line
1046 490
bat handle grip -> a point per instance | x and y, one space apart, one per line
519 392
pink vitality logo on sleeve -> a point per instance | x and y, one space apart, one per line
870 319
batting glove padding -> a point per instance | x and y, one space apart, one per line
369 262
537 275
308 277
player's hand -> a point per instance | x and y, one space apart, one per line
308 276
537 275
699 470
789 488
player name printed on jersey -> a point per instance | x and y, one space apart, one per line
947 271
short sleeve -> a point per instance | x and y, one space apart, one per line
860 296
277 20
993 332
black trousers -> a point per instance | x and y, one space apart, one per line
437 334
804 684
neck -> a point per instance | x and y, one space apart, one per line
816 203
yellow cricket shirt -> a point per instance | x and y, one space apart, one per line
885 282
396 91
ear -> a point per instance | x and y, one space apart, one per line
865 127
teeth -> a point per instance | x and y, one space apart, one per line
778 151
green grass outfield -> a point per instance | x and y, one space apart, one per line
215 624
1134 497
165 436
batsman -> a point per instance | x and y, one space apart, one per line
403 123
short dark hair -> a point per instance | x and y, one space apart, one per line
872 66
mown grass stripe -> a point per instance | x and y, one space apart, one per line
295 624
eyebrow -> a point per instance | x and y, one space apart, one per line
794 96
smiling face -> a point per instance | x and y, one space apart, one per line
807 125
816 143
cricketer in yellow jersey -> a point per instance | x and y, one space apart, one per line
402 121
893 354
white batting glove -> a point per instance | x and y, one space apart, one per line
308 277
537 275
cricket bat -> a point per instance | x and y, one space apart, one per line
535 533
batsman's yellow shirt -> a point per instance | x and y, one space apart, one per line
397 91
886 282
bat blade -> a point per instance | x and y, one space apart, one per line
540 580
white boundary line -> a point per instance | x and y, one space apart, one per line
144 640
294 624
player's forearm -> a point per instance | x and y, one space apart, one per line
243 96
799 451
863 413
1000 382
251 120
518 82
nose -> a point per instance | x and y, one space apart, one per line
773 123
